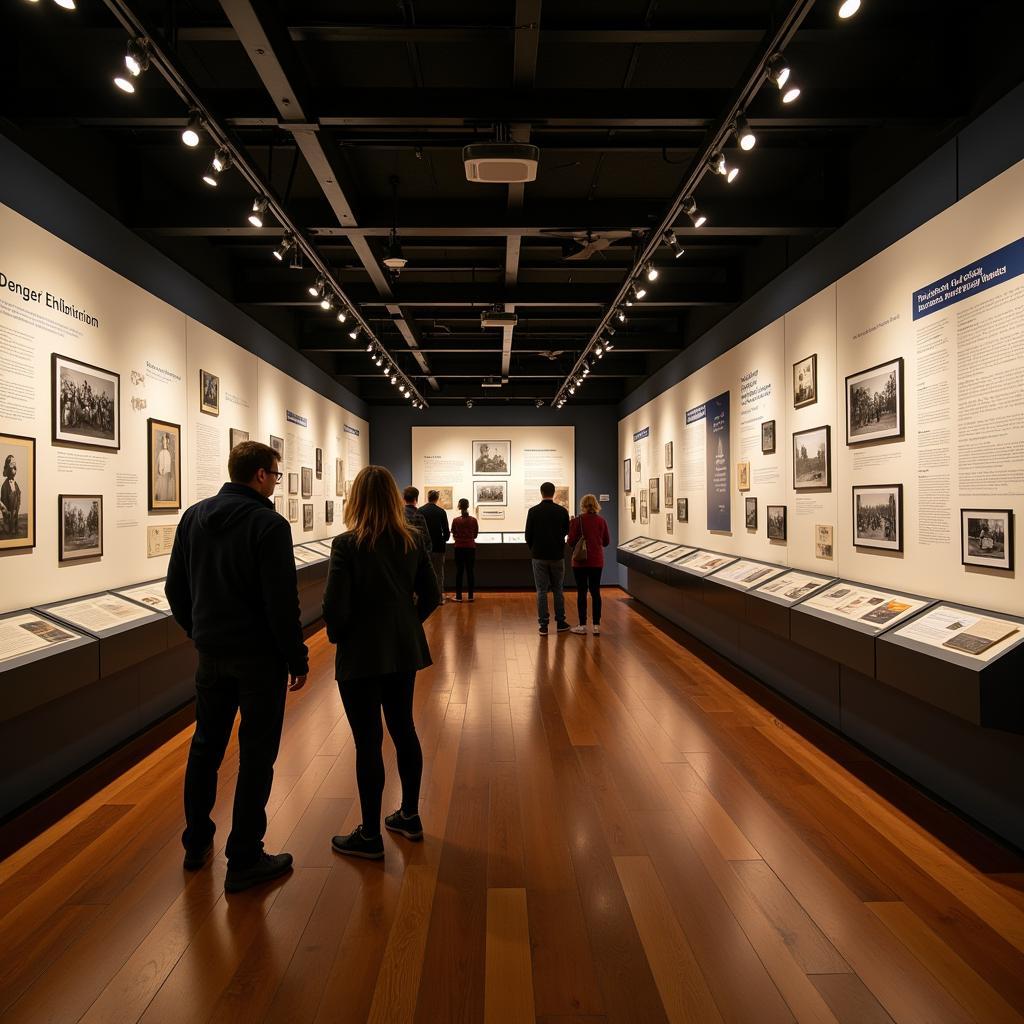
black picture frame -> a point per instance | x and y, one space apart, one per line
627 475
877 544
655 495
162 504
477 457
59 436
768 429
209 408
817 486
236 436
307 481
682 510
669 454
20 441
307 518
750 513
898 430
318 462
773 511
64 554
988 513
812 396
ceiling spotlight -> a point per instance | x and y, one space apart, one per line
689 207
637 292
401 387
259 208
610 329
317 287
608 346
599 350
790 92
379 360
369 348
621 313
572 390
190 136
342 316
652 272
68 5
221 162
539 402
778 71
282 250
677 251
720 165
327 301
136 60
354 334
469 403
296 263
744 134
847 9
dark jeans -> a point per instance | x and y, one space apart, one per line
437 561
363 700
465 564
257 688
588 579
549 575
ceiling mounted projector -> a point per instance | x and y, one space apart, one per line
501 163
496 318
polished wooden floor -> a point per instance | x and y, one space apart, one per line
616 830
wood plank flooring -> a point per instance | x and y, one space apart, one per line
619 828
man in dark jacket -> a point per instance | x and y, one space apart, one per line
412 514
439 532
547 525
231 586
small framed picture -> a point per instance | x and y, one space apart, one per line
307 517
209 393
878 517
668 522
874 403
627 475
293 483
750 513
329 512
743 476
823 541
767 437
683 510
279 504
561 496
79 527
776 522
339 478
492 458
655 489
236 436
805 381
445 495
490 492
319 461
307 481
669 490
164 447
293 510
18 493
86 404
277 443
644 516
632 509
812 458
668 456
986 537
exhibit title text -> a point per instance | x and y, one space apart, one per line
696 415
641 434
294 417
51 301
751 391
998 266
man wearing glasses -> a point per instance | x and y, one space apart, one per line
231 586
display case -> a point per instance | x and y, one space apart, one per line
767 606
726 588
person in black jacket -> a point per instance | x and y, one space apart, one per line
380 589
547 525
439 532
412 514
231 586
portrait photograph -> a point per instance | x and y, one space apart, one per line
339 478
812 458
79 527
627 475
644 516
668 522
86 405
767 437
236 436
293 510
277 443
683 510
492 458
164 447
319 461
293 483
632 509
490 492
445 495
18 492
986 537
878 517
654 486
874 403
669 489
668 456
307 481
805 381
750 513
743 476
329 512
307 517
562 497
776 522
209 393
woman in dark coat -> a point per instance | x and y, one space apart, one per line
380 589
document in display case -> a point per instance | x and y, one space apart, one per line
871 609
657 548
791 587
703 563
149 594
27 633
101 613
636 544
675 555
488 538
746 574
304 556
979 636
514 538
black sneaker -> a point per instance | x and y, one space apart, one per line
411 827
268 867
543 630
564 627
195 859
355 844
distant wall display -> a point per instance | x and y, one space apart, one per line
339 478
986 537
328 512
490 492
632 508
307 481
812 458
319 463
683 510
644 514
878 517
279 504
80 527
18 493
874 403
445 496
307 517
668 523
492 458
237 436
776 516
209 393
293 483
743 476
277 443
627 475
805 381
86 404
668 455
768 437
750 513
669 489
824 541
654 486
164 466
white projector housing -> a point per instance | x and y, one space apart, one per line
496 318
501 163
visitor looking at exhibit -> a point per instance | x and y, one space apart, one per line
438 531
465 530
588 537
547 525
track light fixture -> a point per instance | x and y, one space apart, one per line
847 9
780 73
572 389
354 334
342 316
136 61
68 5
259 208
296 263
651 272
719 165
379 361
283 248
621 314
744 134
369 348
608 346
637 292
190 136
599 350
677 250
689 207
317 288
221 162
469 403
327 302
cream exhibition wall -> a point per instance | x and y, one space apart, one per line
115 340
928 336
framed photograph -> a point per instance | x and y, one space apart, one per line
490 492
632 509
743 476
668 456
339 478
86 404
683 510
307 517
209 393
293 483
18 493
669 490
293 510
878 517
750 513
644 518
562 497
277 443
986 537
668 522
79 527
445 495
319 463
874 403
655 489
627 475
768 437
164 466
812 459
823 541
307 481
805 381
237 436
329 512
492 458
776 522
279 504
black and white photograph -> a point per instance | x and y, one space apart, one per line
986 537
307 517
279 504
339 478
445 495
668 522
209 393
874 403
644 516
627 475
655 489
492 458
329 512
307 481
277 443
79 527
805 381
86 405
768 437
293 483
668 456
683 510
812 458
236 436
319 461
750 513
18 492
743 476
670 488
776 516
490 492
293 510
878 517
632 509
164 446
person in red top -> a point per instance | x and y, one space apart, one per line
464 531
592 527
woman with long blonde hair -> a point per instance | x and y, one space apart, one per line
588 537
380 589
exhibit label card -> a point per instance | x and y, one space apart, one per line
151 595
23 634
99 613
159 540
982 637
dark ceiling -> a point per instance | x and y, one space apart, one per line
619 96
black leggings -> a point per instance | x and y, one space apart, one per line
363 700
465 563
588 579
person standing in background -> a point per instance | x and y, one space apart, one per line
588 537
547 525
465 529
412 514
437 529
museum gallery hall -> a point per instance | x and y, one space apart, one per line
509 512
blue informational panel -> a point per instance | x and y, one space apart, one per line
715 414
995 268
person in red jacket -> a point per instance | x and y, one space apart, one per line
591 526
464 531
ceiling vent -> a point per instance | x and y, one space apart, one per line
501 163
